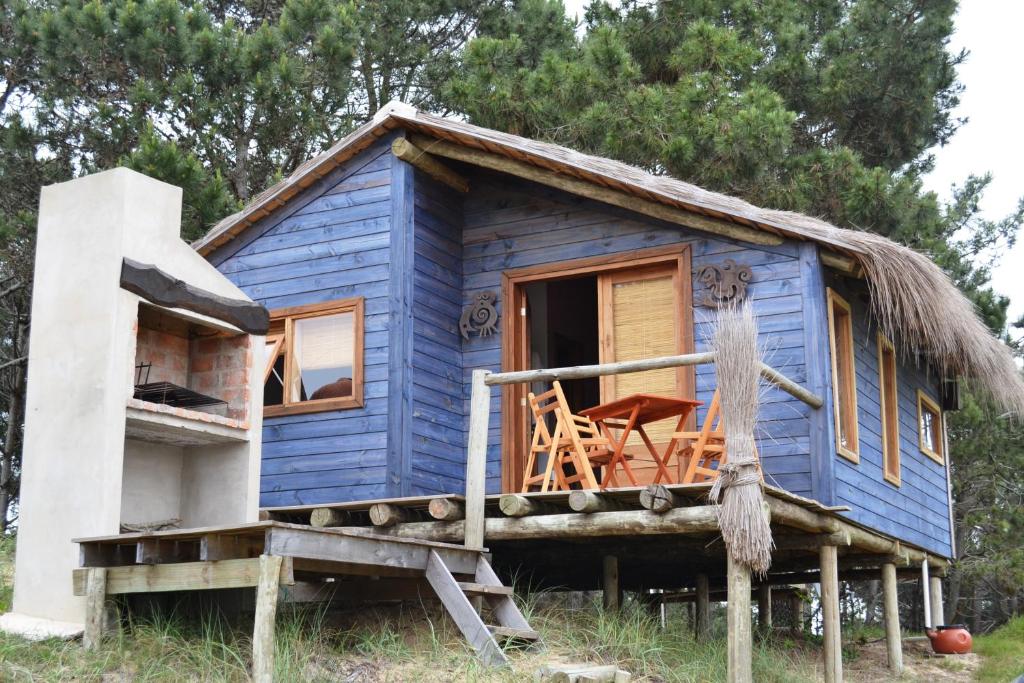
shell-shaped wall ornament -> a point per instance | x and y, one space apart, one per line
480 316
724 285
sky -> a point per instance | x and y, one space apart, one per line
992 140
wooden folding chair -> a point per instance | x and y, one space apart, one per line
574 440
706 451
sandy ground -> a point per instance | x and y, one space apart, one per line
920 664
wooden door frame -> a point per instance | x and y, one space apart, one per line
515 342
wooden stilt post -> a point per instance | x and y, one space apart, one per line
796 612
740 641
830 614
702 621
764 607
935 597
612 587
891 607
266 615
476 459
95 602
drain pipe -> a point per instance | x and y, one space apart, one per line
926 594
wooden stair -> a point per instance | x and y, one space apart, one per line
455 595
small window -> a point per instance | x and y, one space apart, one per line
844 376
929 427
889 401
314 358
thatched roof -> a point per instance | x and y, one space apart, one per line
914 301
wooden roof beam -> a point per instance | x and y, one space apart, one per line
429 164
589 190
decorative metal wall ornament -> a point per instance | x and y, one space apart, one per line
480 316
725 284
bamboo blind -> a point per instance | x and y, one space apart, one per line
643 313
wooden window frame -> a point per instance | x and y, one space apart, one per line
282 325
926 401
887 350
850 405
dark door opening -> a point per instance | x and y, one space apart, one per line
563 322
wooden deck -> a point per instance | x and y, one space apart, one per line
662 537
300 563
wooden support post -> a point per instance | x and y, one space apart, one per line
266 615
764 607
740 639
446 509
796 612
612 587
95 602
385 514
327 517
658 498
891 606
702 621
832 636
476 459
935 597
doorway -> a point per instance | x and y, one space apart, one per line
624 307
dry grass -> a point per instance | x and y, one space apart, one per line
744 525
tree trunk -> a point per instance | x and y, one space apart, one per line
14 410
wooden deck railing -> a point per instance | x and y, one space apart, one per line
480 409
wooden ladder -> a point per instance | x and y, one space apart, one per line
455 596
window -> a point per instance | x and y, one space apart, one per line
314 358
844 376
889 402
929 427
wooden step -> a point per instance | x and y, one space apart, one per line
484 589
509 633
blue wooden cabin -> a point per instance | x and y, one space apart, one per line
498 252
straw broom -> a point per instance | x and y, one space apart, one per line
742 516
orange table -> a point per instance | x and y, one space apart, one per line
630 414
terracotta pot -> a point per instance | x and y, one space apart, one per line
950 640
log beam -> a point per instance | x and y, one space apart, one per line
699 519
429 164
659 498
590 190
446 509
387 515
329 517
588 501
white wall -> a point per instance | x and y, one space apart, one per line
80 369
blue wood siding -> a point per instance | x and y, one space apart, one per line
437 461
331 241
515 225
917 511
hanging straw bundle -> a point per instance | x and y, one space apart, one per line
741 514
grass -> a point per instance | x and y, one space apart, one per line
1002 653
400 644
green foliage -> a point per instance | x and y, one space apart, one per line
1002 653
826 107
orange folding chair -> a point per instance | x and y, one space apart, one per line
706 451
574 440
